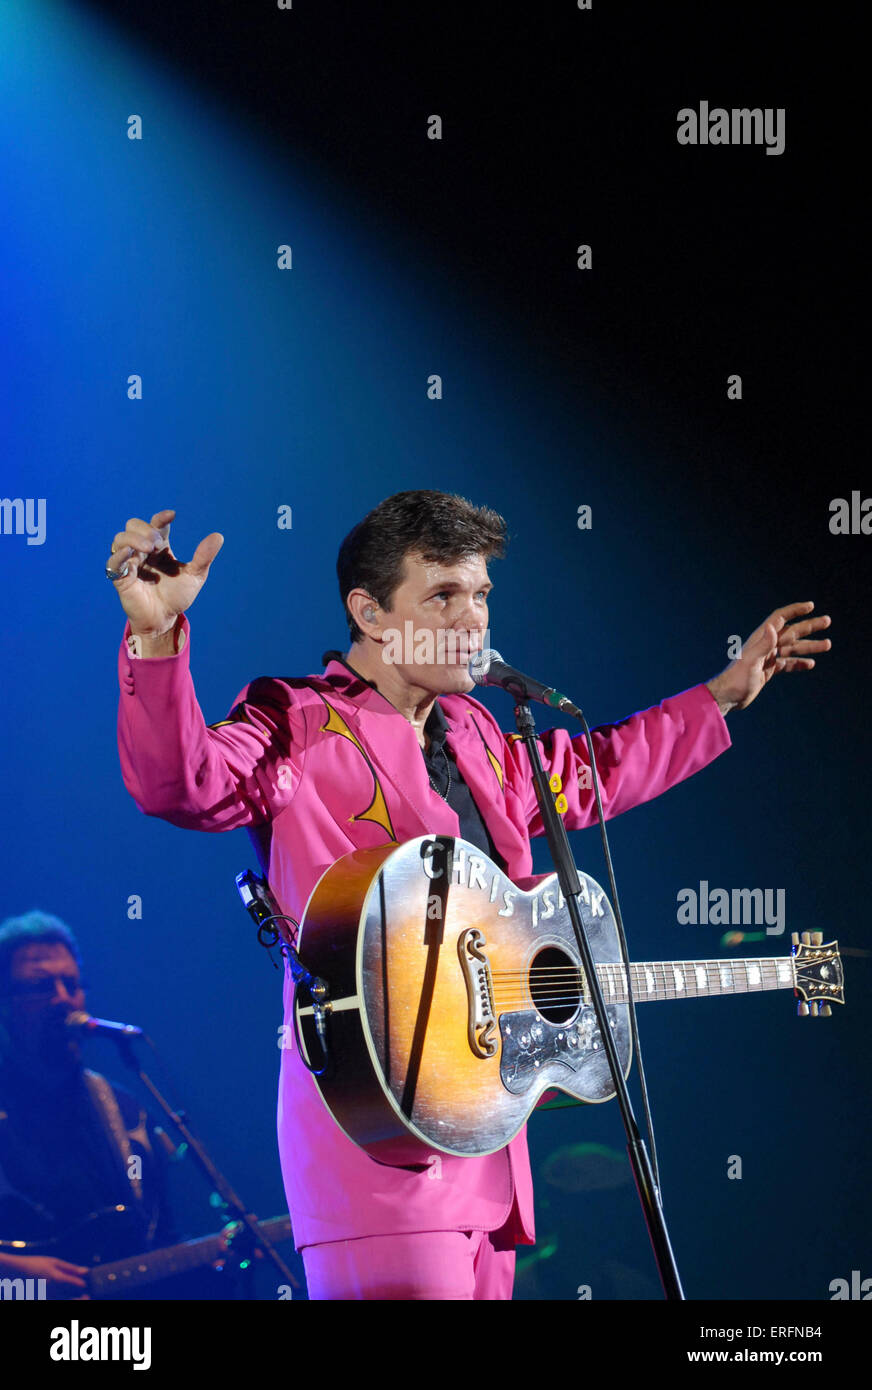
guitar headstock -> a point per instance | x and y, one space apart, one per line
820 980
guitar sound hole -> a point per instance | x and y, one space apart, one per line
555 984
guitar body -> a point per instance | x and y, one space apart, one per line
456 998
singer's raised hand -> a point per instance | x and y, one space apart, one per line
157 586
781 643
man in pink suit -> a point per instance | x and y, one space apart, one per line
364 755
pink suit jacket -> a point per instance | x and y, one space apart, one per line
317 766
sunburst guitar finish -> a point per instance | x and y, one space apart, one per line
457 998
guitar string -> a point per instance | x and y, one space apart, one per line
544 976
564 985
760 961
606 979
573 976
554 1001
567 988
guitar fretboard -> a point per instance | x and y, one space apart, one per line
680 979
104 1280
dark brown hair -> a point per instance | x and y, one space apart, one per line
439 526
33 928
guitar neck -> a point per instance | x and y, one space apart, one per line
686 979
106 1281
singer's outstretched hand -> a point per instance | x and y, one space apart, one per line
157 586
781 643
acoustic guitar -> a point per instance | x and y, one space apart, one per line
457 997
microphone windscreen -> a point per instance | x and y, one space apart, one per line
481 664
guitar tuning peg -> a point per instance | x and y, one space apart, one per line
806 938
794 938
802 1008
817 938
825 1011
813 1007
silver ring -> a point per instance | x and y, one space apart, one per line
115 575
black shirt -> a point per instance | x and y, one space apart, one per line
58 1161
445 776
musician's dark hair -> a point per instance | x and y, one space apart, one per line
441 527
34 928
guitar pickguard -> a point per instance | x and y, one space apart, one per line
531 1043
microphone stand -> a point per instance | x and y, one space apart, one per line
213 1175
567 876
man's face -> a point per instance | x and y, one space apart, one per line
45 987
437 622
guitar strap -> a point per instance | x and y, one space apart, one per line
106 1106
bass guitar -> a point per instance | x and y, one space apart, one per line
102 1232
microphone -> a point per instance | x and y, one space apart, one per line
101 1027
488 668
